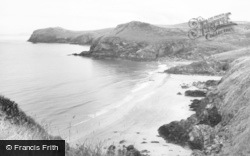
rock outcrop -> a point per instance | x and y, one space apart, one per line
208 67
198 130
195 93
140 41
221 123
143 41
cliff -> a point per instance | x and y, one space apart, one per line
235 108
140 41
143 41
216 64
221 123
60 35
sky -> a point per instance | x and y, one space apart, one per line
25 16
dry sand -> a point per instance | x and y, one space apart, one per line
136 119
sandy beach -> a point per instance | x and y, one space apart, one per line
136 119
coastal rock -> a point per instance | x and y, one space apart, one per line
178 131
133 50
204 138
196 130
175 132
201 135
141 41
200 68
198 135
196 105
206 111
210 116
211 83
207 85
195 93
84 53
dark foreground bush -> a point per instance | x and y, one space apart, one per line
99 150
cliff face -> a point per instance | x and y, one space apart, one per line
221 123
140 41
118 47
235 108
143 41
60 35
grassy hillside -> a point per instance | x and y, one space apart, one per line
143 41
235 108
145 32
233 54
217 64
16 125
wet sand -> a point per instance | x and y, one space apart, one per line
137 118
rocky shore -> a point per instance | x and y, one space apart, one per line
220 125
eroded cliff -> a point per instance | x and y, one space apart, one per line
60 35
143 41
221 123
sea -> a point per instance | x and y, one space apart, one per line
61 91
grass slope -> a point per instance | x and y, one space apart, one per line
15 124
145 32
235 108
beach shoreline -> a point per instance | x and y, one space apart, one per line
136 121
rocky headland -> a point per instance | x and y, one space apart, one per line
60 35
140 41
143 41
